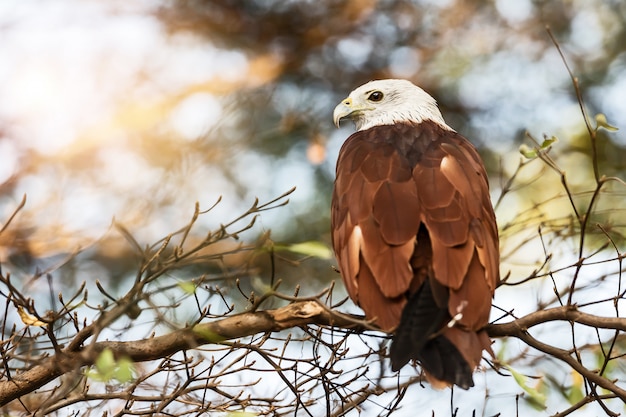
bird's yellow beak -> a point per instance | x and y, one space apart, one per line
343 110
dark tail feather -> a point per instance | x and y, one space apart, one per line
422 317
443 361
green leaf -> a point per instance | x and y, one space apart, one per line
535 398
105 363
107 368
188 286
601 122
311 248
527 151
124 371
547 142
532 153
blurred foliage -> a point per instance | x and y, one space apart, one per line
326 48
280 66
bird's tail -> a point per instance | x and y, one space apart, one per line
448 355
452 357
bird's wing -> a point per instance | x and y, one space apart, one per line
457 212
375 218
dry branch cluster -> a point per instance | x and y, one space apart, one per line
90 358
302 357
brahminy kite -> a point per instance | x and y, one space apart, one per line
414 230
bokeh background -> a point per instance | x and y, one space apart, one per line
135 111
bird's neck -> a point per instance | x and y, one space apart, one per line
413 116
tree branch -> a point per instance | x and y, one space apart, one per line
568 313
301 313
237 326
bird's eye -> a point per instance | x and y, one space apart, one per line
375 96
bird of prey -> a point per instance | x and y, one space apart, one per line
414 231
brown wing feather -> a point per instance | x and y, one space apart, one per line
395 209
450 263
389 263
384 310
393 181
375 208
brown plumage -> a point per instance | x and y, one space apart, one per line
415 234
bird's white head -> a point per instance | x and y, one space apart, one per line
387 102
